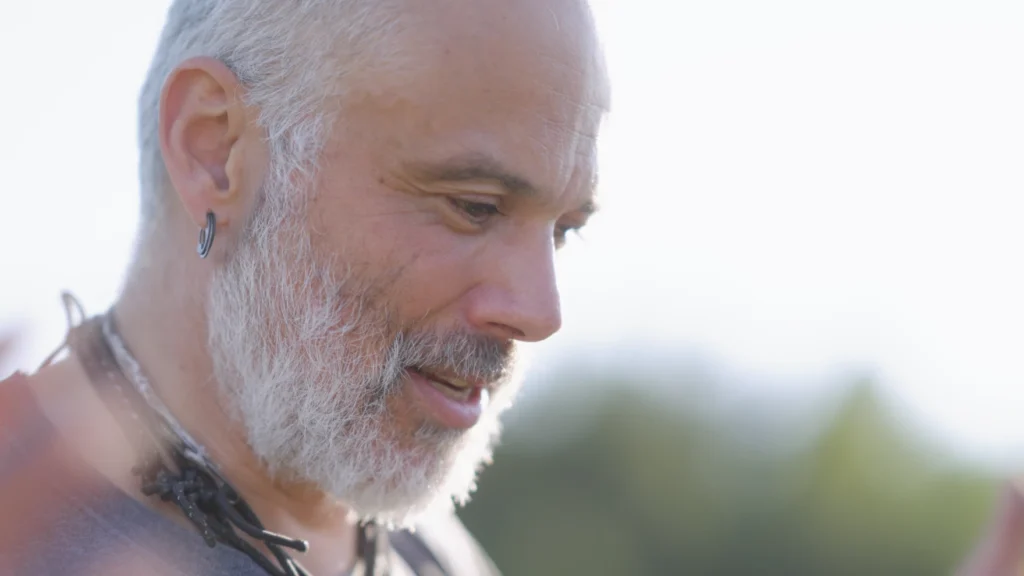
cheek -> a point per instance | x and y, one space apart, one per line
402 249
434 269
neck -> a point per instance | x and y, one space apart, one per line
167 335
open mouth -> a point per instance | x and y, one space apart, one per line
454 388
452 402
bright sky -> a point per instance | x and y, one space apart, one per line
791 187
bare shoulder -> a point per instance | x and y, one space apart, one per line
23 402
51 406
62 394
455 548
67 402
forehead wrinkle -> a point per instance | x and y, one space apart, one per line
565 145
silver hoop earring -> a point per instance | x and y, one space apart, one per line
206 235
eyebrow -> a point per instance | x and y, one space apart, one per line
477 167
480 167
591 206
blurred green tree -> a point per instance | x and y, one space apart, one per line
643 487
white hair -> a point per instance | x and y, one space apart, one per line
306 362
290 55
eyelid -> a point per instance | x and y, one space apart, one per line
464 206
480 197
477 199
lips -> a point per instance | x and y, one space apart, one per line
449 401
457 388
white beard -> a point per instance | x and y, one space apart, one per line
305 362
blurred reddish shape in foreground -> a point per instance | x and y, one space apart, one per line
1000 548
6 349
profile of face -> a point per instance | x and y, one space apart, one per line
364 327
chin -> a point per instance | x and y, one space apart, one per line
431 475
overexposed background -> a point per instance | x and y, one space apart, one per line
794 190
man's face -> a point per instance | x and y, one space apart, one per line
367 341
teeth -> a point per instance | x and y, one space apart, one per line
459 383
461 394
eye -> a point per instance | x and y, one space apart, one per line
477 212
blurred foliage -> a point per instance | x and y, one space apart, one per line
649 487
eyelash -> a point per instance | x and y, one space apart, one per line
562 232
478 212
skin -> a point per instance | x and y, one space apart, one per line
385 199
455 180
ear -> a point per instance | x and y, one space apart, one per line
206 141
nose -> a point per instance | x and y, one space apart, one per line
518 298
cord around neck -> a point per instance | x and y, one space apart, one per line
175 468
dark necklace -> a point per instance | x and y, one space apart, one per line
176 469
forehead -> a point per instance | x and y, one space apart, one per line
518 82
